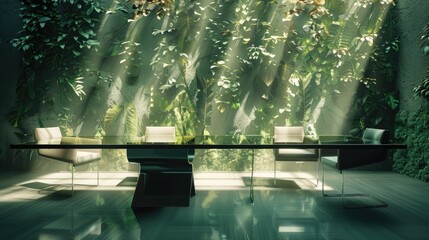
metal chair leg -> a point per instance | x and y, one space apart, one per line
72 171
275 168
344 196
72 183
98 173
317 177
323 185
98 178
317 174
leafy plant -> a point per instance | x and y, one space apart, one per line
55 37
422 89
411 130
115 115
267 61
141 8
120 123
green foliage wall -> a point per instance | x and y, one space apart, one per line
423 88
113 67
412 130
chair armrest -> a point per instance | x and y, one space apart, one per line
79 140
65 155
299 154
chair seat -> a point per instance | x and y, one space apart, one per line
330 161
70 155
83 157
296 151
291 154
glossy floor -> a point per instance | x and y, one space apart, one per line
291 209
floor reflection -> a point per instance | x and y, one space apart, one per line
212 215
295 211
217 214
71 227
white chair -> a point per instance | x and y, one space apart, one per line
293 134
160 134
74 157
166 177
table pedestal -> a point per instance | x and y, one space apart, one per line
165 180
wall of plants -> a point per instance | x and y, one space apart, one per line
219 67
412 128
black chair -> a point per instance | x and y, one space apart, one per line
347 159
294 134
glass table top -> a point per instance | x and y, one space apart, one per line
209 142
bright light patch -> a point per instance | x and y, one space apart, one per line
291 229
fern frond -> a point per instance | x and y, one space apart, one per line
111 116
423 88
131 121
424 38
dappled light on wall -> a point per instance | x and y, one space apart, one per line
213 66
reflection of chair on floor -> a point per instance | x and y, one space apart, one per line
72 227
284 135
347 159
298 223
166 177
72 156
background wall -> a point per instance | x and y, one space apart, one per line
412 63
413 17
10 24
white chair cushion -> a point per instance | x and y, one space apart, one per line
64 155
296 151
289 134
42 134
83 157
73 156
160 134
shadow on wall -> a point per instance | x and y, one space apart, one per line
10 24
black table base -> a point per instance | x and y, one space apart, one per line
171 186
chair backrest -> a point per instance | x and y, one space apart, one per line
351 158
293 134
160 134
48 135
52 135
377 135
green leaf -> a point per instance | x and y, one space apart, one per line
44 19
84 34
93 42
76 53
131 120
89 11
111 115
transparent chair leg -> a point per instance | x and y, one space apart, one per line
98 179
323 186
344 196
72 171
317 174
275 170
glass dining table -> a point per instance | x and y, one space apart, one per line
137 149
